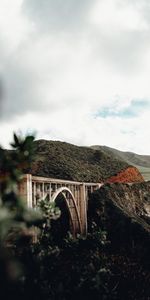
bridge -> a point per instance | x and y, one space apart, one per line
75 195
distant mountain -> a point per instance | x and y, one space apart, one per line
141 162
62 160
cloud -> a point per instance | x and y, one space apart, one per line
63 62
120 34
58 15
134 109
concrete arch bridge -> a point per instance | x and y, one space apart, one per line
75 195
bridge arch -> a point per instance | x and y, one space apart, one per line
71 206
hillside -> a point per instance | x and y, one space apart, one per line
133 199
141 162
123 211
62 160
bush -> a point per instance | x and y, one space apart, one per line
16 220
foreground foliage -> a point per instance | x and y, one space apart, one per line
74 269
16 220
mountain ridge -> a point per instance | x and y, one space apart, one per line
63 160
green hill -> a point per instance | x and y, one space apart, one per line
62 160
141 162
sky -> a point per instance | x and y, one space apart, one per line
76 71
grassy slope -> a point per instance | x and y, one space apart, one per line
142 162
62 160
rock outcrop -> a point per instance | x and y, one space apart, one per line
123 210
129 175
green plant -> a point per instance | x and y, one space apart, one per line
16 220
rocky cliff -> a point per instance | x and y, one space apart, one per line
123 210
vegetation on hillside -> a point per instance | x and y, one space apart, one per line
67 161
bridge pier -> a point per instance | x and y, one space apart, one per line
83 208
25 189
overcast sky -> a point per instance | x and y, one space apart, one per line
76 71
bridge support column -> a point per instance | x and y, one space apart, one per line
29 190
25 189
83 209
